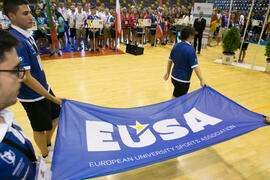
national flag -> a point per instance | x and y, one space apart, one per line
51 24
159 22
118 27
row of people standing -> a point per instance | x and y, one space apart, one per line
219 23
133 32
74 22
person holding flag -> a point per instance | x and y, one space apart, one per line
118 27
184 58
153 27
36 96
159 33
49 25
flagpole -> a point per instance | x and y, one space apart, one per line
118 27
230 11
247 24
259 43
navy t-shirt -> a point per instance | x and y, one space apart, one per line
184 58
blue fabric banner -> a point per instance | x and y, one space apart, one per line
94 141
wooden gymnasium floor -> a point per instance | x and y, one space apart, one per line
128 81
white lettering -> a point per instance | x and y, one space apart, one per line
146 139
97 133
170 129
194 115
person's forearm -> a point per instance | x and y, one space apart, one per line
169 66
198 73
38 88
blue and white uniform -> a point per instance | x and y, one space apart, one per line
153 20
29 56
14 164
184 57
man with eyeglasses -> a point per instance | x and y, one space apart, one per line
36 96
17 157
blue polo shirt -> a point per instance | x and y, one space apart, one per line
112 21
28 54
14 164
184 58
153 20
224 21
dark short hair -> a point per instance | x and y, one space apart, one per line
7 42
186 32
12 5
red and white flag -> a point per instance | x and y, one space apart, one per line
118 27
159 21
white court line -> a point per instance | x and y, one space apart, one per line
246 66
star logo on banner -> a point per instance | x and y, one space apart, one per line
139 127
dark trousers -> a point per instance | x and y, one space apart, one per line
199 39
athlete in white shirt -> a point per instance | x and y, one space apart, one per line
80 18
107 27
71 22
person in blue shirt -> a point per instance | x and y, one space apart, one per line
36 96
93 31
17 156
61 30
140 30
40 33
48 34
184 58
153 28
112 30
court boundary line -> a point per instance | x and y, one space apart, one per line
261 108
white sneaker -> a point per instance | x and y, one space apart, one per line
51 147
48 159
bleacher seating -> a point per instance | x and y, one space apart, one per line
244 5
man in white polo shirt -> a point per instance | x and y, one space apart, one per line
80 18
71 22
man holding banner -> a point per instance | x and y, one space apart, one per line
35 95
184 58
13 142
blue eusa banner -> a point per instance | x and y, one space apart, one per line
95 141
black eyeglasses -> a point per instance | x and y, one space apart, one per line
19 71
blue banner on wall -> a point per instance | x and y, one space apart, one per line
95 141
